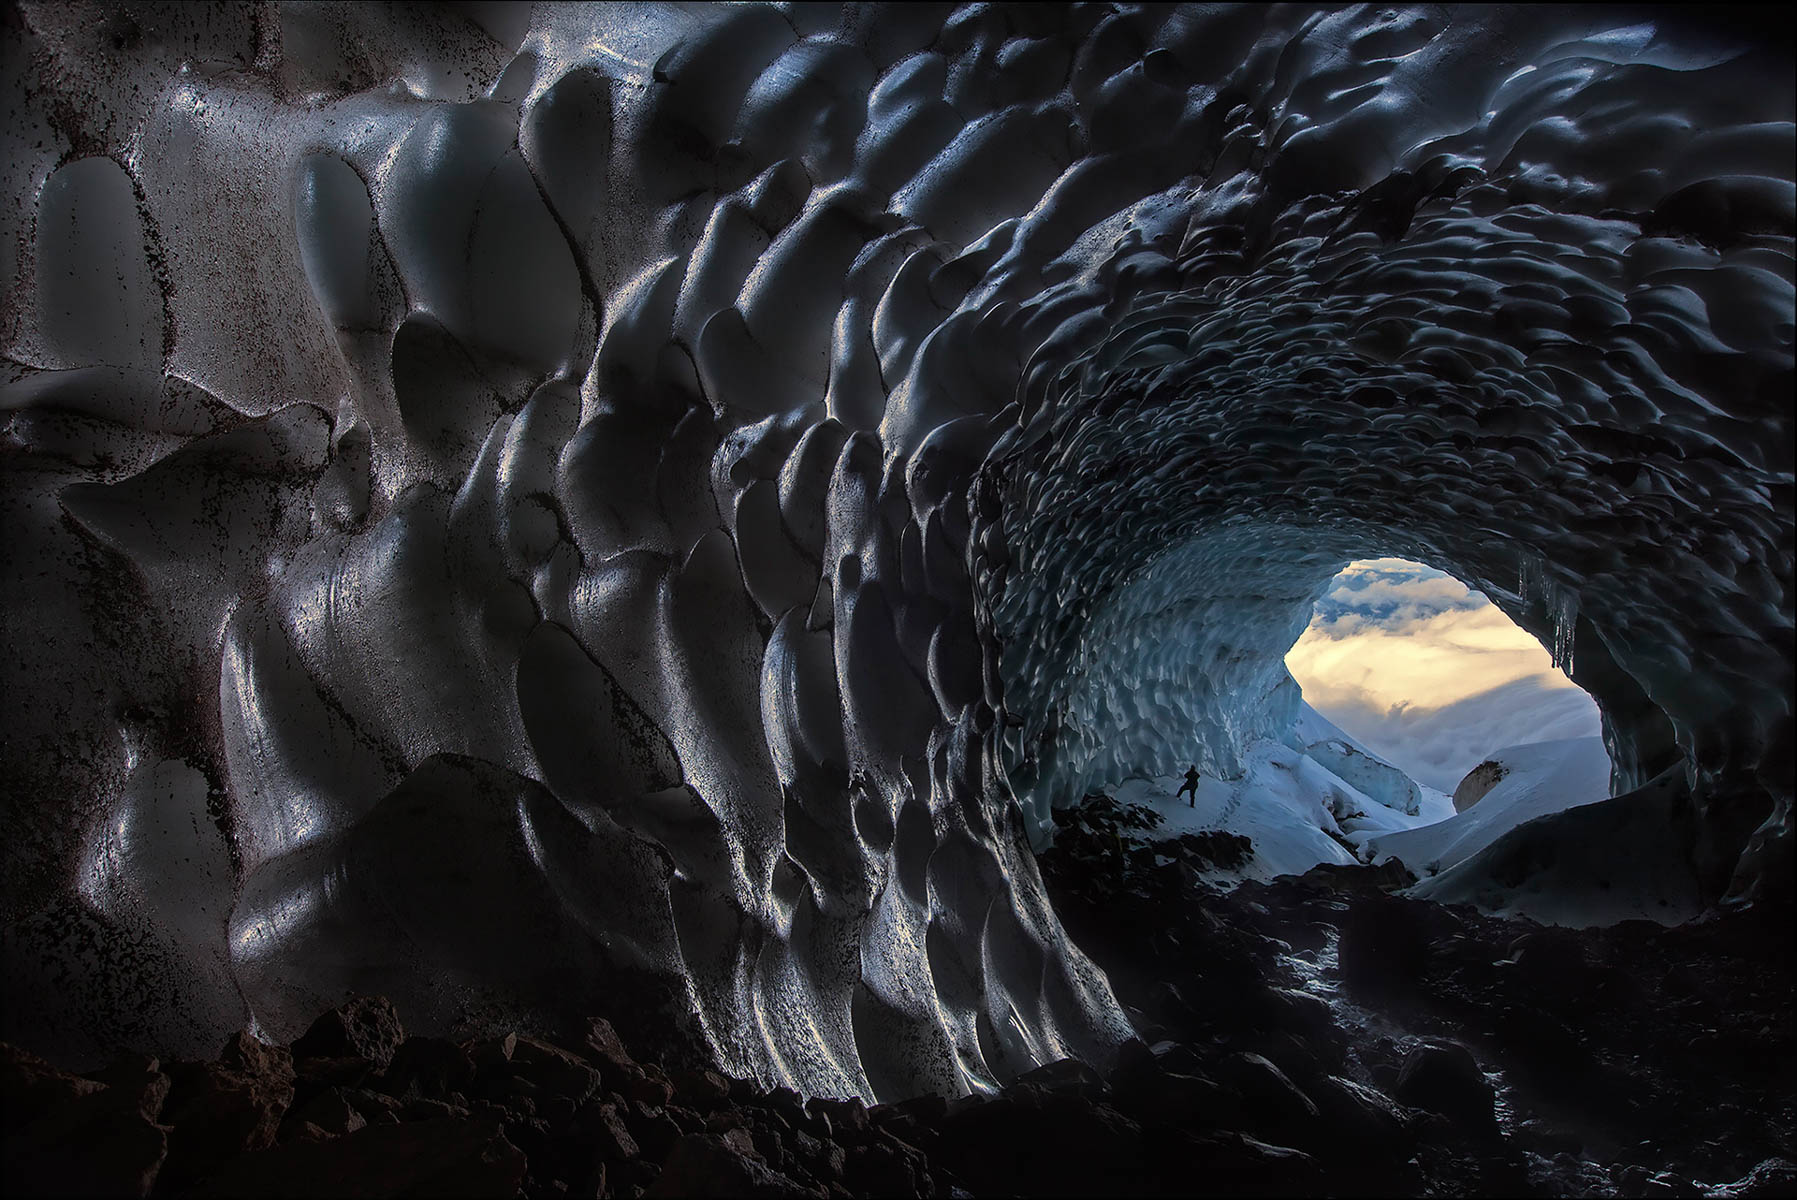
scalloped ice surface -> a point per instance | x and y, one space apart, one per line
502 495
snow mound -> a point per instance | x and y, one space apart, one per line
1541 778
1592 864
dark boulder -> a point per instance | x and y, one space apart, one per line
1302 1014
1234 1164
650 1085
819 1158
1297 1057
314 1075
886 1166
553 1070
139 1078
1271 1102
249 1055
378 1107
1353 878
1075 1146
364 1027
78 1137
1067 1074
907 1118
329 1112
1167 1002
848 1118
1172 1098
604 1127
602 1045
29 1085
701 1090
1360 1120
428 1068
1443 1078
218 1113
655 1131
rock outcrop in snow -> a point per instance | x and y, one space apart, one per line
497 500
1478 783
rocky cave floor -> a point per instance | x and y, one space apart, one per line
1313 1036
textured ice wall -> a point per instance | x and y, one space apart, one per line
1182 663
495 495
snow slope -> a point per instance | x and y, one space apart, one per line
1594 864
1296 810
1542 778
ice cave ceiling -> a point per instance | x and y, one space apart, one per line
499 495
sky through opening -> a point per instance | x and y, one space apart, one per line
1429 673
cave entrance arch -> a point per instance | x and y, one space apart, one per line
1218 481
1117 668
1181 658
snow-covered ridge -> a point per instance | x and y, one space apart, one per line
1319 797
493 500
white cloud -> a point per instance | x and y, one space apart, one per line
1389 592
1418 591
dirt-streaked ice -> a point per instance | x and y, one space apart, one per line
497 495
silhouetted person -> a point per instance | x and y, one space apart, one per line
1190 785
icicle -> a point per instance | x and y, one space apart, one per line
1566 614
1528 577
1560 603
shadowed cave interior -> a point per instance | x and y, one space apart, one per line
696 515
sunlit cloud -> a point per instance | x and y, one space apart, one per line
1430 673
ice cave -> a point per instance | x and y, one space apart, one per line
517 509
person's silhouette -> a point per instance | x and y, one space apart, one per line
1190 785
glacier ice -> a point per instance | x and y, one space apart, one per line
500 495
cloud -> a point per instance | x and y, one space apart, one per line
1431 674
1390 592
1424 663
1420 592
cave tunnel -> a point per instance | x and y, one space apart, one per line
508 502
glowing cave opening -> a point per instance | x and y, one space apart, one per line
1429 674
1325 707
